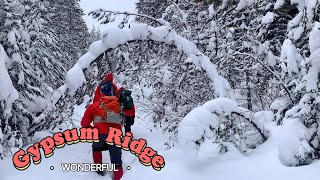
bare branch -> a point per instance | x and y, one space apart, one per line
283 84
253 124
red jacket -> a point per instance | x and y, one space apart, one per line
98 94
130 112
95 110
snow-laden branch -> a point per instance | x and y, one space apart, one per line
107 16
182 14
7 92
114 37
203 125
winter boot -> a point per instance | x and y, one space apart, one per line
117 175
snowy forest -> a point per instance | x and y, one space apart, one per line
215 77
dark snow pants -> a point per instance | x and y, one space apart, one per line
129 121
98 147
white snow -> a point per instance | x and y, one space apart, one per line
11 37
293 132
290 58
314 38
262 162
271 59
209 149
268 18
278 4
7 92
300 4
264 120
312 76
310 10
244 3
75 79
25 37
201 123
195 125
297 33
1 135
224 4
212 12
278 104
296 20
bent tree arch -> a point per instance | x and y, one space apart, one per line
112 38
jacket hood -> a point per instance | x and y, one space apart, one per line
108 77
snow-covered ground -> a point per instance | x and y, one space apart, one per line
262 163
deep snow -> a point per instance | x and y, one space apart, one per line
262 163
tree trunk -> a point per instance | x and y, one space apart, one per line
249 100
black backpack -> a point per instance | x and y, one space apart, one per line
126 99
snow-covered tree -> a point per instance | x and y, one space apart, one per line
304 145
70 28
94 35
32 64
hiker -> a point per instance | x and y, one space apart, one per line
106 88
128 108
103 114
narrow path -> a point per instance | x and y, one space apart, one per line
262 164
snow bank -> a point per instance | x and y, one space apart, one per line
7 92
264 120
114 37
194 126
292 142
197 132
200 124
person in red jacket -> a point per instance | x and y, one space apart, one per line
106 88
128 108
99 114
